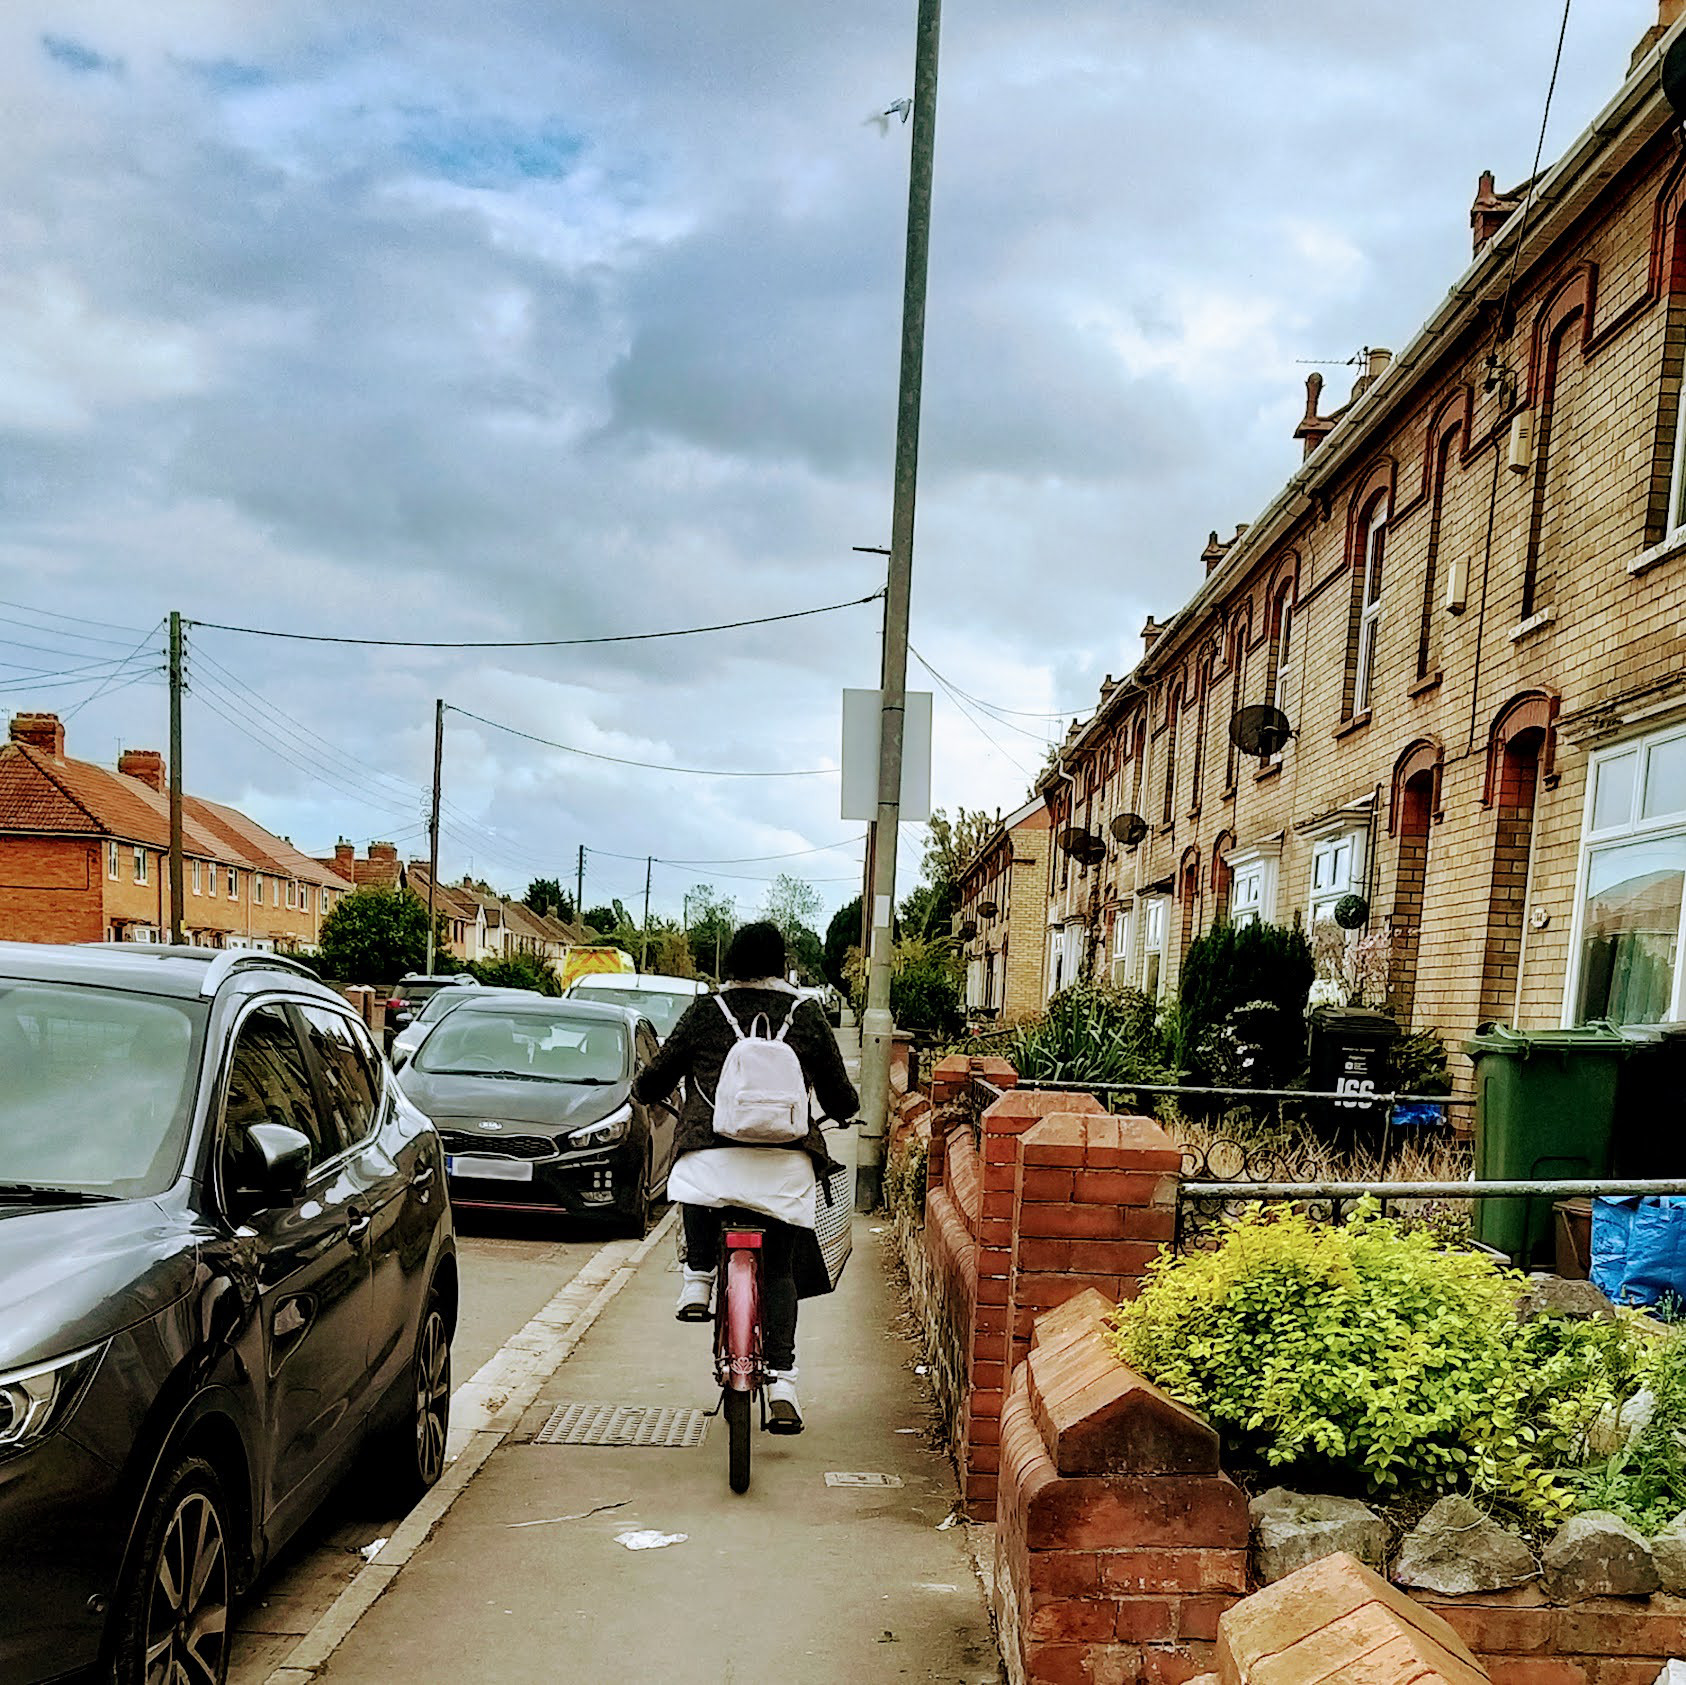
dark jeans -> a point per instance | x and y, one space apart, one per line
778 1283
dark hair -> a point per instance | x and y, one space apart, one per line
756 950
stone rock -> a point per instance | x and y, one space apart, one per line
1614 1428
1457 1548
1551 1295
1668 1551
1292 1530
1598 1555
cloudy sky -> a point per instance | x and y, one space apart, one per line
529 319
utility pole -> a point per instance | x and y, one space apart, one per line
878 1026
579 889
649 867
178 899
433 822
872 824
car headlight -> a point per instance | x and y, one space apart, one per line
34 1401
605 1132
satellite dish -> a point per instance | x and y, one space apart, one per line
1674 77
988 909
1259 729
968 930
1351 912
1083 846
1128 828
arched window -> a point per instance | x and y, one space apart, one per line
1368 595
1173 721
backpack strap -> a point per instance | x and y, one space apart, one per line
737 1028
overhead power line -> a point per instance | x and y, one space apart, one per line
533 643
649 766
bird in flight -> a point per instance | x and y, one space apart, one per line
903 108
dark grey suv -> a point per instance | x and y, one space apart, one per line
227 1267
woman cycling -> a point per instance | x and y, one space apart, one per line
777 1183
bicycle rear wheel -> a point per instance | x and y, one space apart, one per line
737 1441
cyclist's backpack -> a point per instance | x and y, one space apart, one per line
762 1099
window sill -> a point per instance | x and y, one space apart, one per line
1194 812
1227 795
1672 546
1274 770
1351 727
1423 686
1534 623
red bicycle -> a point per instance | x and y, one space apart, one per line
739 1362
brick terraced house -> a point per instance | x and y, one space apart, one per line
1003 909
1470 603
84 856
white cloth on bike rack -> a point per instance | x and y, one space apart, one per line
775 1182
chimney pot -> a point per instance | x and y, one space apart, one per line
40 731
144 765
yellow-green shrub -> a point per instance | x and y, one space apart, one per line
1374 1350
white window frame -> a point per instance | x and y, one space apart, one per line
233 883
113 860
1677 474
1120 945
196 890
1252 885
212 869
257 889
1370 612
1342 880
292 894
1635 829
141 869
1153 945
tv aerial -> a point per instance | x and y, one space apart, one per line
1260 729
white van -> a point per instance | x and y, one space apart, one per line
661 999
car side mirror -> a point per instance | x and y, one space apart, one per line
273 1168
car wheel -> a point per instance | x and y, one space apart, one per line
637 1214
172 1612
410 1455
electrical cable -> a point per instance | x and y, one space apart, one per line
956 693
998 708
151 632
648 766
74 619
534 643
1011 759
736 860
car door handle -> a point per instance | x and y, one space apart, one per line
358 1226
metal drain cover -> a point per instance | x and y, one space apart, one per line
656 1427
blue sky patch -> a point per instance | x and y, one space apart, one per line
491 152
230 76
79 56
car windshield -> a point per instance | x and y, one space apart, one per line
662 1008
98 1087
441 1002
542 1046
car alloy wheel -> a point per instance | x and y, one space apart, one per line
433 1393
187 1611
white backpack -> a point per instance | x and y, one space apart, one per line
762 1099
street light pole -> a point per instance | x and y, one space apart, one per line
433 822
178 897
878 1027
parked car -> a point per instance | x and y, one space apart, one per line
533 1100
661 999
227 1270
413 991
440 1004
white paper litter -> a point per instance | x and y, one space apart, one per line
647 1540
371 1550
921 1369
952 1519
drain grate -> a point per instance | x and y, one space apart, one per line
649 1426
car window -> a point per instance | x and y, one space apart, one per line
268 1082
556 1047
348 1079
96 1087
662 1007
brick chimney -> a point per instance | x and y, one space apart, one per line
1668 15
1150 633
1214 552
344 854
1313 428
383 851
145 764
40 731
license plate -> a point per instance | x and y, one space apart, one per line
488 1169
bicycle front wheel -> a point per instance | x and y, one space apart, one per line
737 1441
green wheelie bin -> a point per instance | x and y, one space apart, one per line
1545 1107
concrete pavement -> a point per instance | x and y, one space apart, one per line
798 1580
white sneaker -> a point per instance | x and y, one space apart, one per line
696 1296
784 1411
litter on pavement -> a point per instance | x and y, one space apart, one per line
371 1550
647 1540
551 1520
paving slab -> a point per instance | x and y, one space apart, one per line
798 1580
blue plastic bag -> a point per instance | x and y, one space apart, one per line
1612 1223
1656 1254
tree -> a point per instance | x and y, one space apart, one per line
793 904
546 895
670 952
712 919
376 935
605 921
518 971
807 955
951 843
842 934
